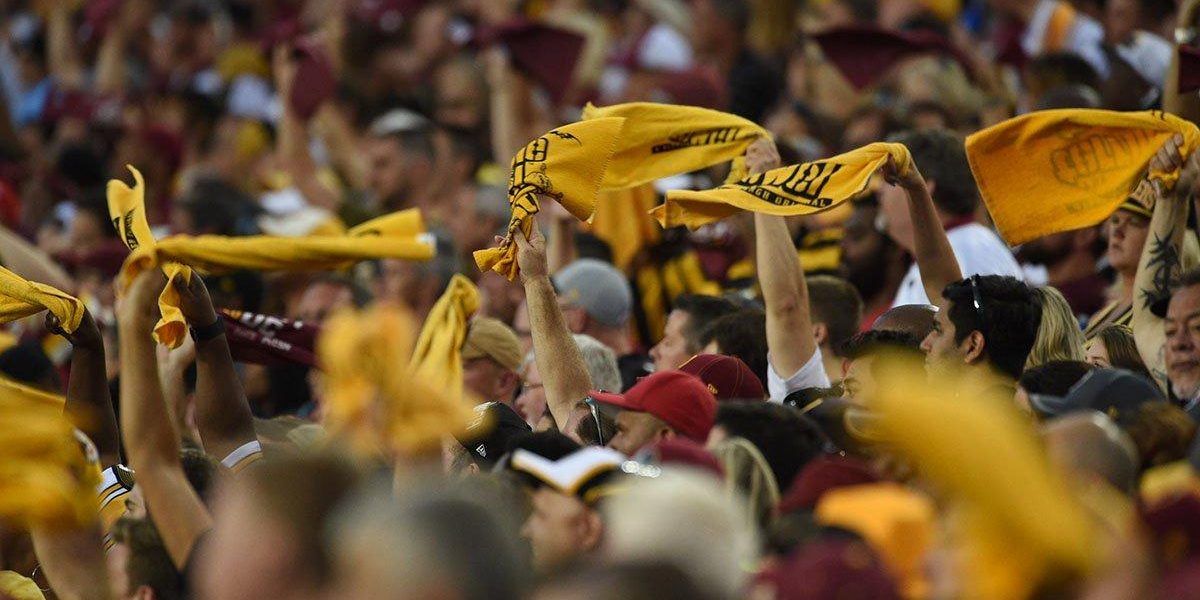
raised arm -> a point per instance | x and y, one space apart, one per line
1160 262
293 137
564 374
222 413
89 406
152 442
790 340
30 262
74 562
934 256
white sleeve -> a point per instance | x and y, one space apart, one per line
811 375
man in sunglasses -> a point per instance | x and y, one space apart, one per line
660 406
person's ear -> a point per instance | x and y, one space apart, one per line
593 530
820 333
973 347
144 592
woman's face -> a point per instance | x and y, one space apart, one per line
1096 354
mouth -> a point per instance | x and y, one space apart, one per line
1184 365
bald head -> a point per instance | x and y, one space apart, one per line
913 319
1091 446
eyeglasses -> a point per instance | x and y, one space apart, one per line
595 410
978 301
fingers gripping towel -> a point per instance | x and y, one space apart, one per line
801 189
566 164
1058 170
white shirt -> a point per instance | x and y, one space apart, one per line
811 375
1085 38
979 252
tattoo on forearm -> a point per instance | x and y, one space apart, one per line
1163 266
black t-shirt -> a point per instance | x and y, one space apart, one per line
633 367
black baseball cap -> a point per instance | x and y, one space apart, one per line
1115 392
492 432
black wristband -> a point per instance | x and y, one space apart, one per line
210 331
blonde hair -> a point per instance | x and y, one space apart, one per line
748 477
1059 336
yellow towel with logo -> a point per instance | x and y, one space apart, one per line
20 298
373 397
801 189
437 358
1058 170
661 140
397 235
566 164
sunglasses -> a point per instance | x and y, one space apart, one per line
594 408
978 300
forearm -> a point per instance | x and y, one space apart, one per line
222 412
26 260
73 561
339 138
931 248
110 63
564 374
1158 266
293 151
89 406
144 417
785 294
61 55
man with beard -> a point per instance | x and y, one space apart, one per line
1070 261
871 261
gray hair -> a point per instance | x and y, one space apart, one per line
600 360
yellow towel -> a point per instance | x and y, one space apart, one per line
371 399
127 209
984 454
566 164
391 236
1058 170
44 474
622 219
661 140
437 359
20 298
801 189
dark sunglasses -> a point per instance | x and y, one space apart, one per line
595 410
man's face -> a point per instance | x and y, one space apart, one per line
387 177
672 351
488 380
320 300
636 430
942 355
531 404
459 97
558 529
1183 342
1126 236
894 203
863 251
857 383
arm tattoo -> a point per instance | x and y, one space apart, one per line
1164 267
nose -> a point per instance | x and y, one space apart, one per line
927 343
1181 341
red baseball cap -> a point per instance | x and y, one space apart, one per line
680 400
727 377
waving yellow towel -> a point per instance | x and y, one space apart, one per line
46 477
566 164
1058 170
372 399
661 140
437 359
1022 520
20 298
397 235
801 189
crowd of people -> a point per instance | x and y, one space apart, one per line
350 334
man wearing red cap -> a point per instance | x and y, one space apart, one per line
664 405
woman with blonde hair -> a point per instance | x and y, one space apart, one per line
748 476
1059 336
